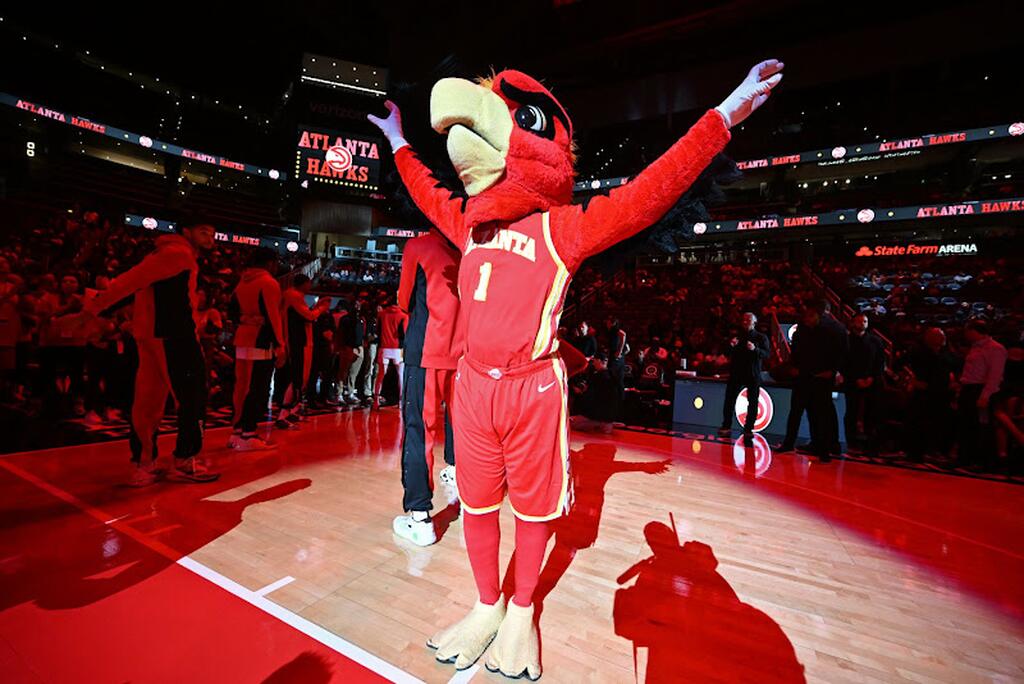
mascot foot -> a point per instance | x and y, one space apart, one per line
464 642
516 649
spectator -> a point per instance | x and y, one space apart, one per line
748 351
819 349
981 378
862 382
928 374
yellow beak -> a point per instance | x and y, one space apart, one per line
479 127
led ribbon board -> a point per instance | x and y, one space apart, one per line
841 155
145 141
864 216
333 158
278 244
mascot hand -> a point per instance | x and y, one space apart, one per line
391 126
752 93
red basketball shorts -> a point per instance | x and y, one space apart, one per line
511 435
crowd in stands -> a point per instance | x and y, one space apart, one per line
936 317
343 272
51 262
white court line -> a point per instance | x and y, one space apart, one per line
274 586
465 675
313 631
310 629
114 520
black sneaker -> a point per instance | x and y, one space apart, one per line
724 431
782 448
806 450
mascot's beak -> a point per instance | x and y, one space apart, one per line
479 127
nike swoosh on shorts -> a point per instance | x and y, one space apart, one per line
545 388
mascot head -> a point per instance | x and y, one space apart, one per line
509 139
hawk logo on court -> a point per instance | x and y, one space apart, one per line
765 409
754 459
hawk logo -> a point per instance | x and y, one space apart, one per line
339 158
864 251
765 409
759 452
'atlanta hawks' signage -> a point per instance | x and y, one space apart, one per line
335 158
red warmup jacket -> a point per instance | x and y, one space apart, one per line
259 295
164 286
429 293
393 322
572 232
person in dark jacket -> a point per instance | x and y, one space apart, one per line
297 318
323 373
929 371
352 331
818 352
748 350
862 383
584 340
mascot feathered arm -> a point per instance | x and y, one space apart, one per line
586 230
441 206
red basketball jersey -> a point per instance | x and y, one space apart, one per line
512 286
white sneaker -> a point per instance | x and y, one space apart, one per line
420 533
253 443
143 475
93 418
234 439
451 486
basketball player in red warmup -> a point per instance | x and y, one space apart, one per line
170 359
393 322
259 342
521 239
428 292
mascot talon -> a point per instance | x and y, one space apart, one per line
516 648
464 642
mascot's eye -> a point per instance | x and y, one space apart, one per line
532 118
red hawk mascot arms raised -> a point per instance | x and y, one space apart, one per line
510 141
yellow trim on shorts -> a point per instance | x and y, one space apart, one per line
479 511
548 321
563 448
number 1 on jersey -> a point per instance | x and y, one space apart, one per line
485 278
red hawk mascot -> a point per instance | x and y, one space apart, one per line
522 239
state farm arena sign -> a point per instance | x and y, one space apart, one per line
912 250
765 409
336 158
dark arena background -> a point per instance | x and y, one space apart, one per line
790 446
